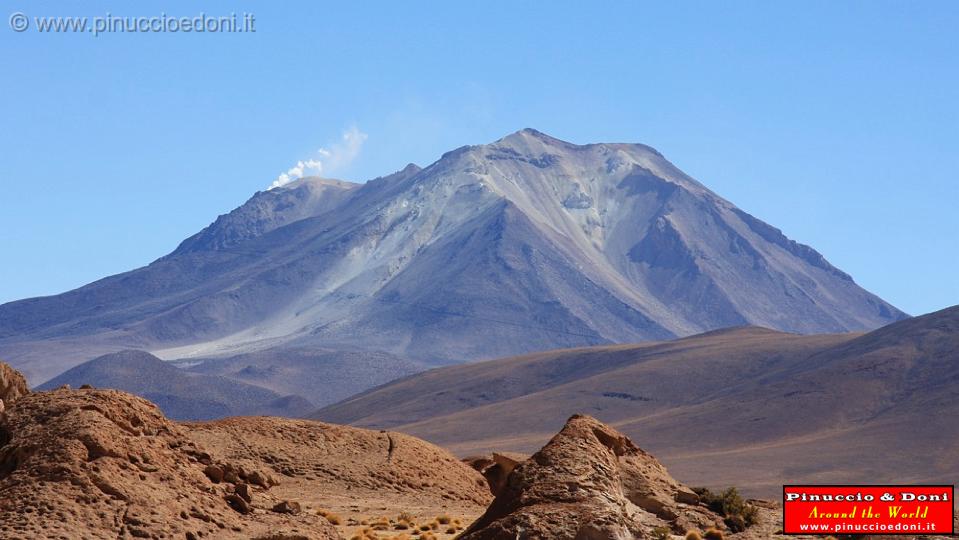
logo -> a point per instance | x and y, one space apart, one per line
867 510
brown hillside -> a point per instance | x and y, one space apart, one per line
748 407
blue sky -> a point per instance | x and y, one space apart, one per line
837 122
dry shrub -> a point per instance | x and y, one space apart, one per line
713 534
737 513
365 534
661 533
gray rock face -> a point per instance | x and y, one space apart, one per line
269 210
524 244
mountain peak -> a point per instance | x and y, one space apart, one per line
526 136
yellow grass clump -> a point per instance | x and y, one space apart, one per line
713 534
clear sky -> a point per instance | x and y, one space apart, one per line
837 122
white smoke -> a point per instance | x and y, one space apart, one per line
327 160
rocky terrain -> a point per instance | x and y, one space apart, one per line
525 244
12 386
88 463
746 407
106 464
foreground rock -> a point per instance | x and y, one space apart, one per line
591 482
98 464
315 458
106 464
12 385
496 468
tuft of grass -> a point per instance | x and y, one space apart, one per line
443 519
381 524
713 534
365 534
693 535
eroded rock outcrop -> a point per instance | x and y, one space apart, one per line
590 482
496 468
107 464
13 386
327 458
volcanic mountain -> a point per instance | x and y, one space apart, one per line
528 243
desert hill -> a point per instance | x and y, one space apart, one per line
749 406
528 243
323 376
180 394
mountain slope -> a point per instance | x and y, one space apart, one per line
321 376
179 394
519 245
269 210
748 406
